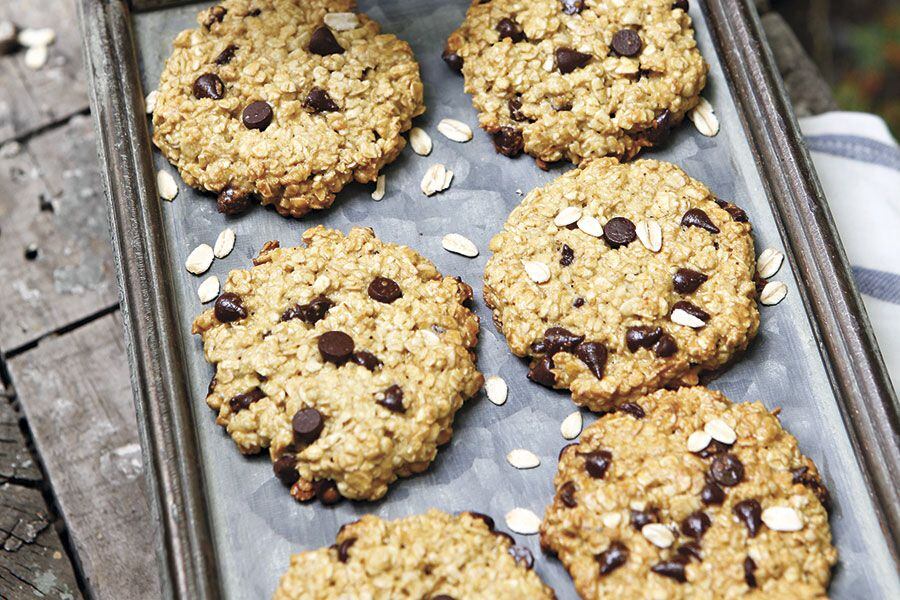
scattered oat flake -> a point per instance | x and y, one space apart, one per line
454 130
199 260
497 390
36 57
704 118
378 194
166 185
209 289
537 271
523 521
150 102
571 426
782 518
720 431
420 141
224 243
773 293
769 262
523 459
436 179
342 21
458 244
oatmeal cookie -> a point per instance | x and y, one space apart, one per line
572 79
687 495
348 358
620 279
433 556
282 102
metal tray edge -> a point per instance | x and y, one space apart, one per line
187 560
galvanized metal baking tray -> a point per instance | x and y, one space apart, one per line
228 527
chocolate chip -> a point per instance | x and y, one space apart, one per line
344 549
750 514
508 141
384 290
443 597
335 346
690 550
737 213
487 520
641 337
327 492
659 130
682 4
226 55
366 359
216 14
564 448
568 256
542 372
626 42
323 42
209 85
691 309
594 355
727 470
578 303
311 312
572 7
632 409
568 60
522 556
285 469
673 569
567 494
749 572
814 483
307 425
515 109
612 558
695 524
508 28
393 399
231 202
243 401
229 307
696 217
619 231
686 281
257 115
212 385
453 60
666 346
557 339
318 100
712 494
597 463
640 518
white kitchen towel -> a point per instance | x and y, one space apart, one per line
858 162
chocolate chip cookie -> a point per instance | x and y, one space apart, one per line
619 279
433 556
284 102
348 358
690 496
572 79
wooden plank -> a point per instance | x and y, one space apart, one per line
16 463
76 394
51 196
33 563
32 99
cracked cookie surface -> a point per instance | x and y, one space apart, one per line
637 513
348 358
666 290
433 555
264 102
572 79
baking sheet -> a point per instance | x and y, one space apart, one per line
257 525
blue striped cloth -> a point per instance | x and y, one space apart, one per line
858 162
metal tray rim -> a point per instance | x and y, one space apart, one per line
187 558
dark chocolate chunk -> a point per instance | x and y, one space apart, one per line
508 141
619 231
727 470
690 550
568 255
229 307
285 469
509 28
216 14
572 7
750 572
593 354
632 409
567 494
318 100
627 42
312 312
231 202
737 213
393 399
666 346
673 569
640 518
686 281
691 309
209 85
814 483
568 60
335 346
226 55
712 494
453 60
695 524
243 401
682 4
612 558
557 339
366 359
327 492
307 425
641 337
257 115
323 42
597 463
750 514
578 302
515 109
344 549
542 372
384 290
696 217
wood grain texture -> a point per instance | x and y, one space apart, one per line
32 561
51 196
16 463
77 397
32 99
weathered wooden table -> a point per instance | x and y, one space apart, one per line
74 521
